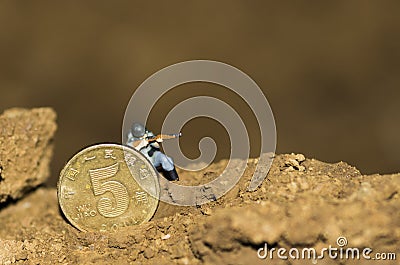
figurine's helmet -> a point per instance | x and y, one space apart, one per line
138 129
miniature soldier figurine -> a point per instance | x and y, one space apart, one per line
148 144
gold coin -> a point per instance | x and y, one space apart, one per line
100 188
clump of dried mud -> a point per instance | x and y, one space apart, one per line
25 150
302 203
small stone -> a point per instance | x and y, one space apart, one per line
148 253
300 157
134 254
207 211
164 237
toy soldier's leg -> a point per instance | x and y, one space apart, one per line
167 164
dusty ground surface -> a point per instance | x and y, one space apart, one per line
26 150
301 203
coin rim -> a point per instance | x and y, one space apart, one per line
124 148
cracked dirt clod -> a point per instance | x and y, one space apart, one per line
25 150
330 200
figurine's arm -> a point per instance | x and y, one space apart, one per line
139 144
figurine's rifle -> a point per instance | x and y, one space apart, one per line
163 137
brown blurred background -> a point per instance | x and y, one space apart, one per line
330 69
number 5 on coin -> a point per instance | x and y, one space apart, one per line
105 205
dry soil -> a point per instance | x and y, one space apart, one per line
303 203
